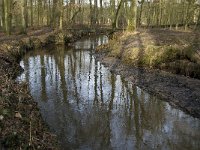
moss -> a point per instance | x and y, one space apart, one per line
35 43
50 39
164 54
12 140
114 49
130 56
183 67
115 52
176 58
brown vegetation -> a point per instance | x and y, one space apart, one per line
21 125
126 54
174 51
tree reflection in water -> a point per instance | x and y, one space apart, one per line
90 108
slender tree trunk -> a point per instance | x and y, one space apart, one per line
133 16
31 10
75 14
41 12
112 7
3 15
25 13
44 12
72 10
38 13
160 12
23 24
7 16
140 15
49 13
157 12
54 13
61 14
95 12
170 16
148 14
10 16
101 12
91 14
115 24
187 16
197 26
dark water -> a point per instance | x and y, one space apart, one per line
90 108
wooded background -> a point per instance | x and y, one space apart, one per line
18 15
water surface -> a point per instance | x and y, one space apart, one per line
90 108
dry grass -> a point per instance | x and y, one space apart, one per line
21 125
173 51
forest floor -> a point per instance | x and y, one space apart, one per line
21 124
30 32
152 60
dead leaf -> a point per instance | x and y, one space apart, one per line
18 115
1 117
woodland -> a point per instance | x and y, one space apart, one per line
99 74
19 15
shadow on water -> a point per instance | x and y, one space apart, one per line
88 107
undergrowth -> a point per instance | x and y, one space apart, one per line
141 50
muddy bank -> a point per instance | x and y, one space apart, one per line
21 124
173 51
180 91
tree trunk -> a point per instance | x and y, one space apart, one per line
23 24
160 12
7 16
31 9
101 12
197 26
95 12
114 25
75 14
54 13
3 16
26 13
133 16
91 14
149 15
61 14
141 10
187 16
112 7
49 13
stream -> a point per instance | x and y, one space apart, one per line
90 108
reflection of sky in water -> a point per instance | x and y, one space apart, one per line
90 108
91 43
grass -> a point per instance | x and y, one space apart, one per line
177 55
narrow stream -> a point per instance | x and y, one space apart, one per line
90 108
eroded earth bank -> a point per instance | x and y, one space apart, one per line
165 63
21 124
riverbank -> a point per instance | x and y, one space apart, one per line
141 57
21 124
